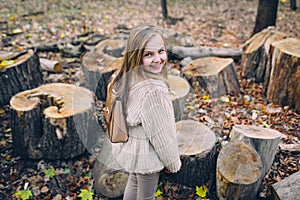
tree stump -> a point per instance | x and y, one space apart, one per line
238 171
21 72
212 75
256 54
288 188
179 90
197 149
98 59
283 87
108 182
264 140
53 121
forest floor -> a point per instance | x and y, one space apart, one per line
217 23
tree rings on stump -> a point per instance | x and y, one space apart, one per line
53 121
179 90
212 76
283 87
238 171
18 72
197 151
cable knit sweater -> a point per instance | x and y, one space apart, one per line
152 143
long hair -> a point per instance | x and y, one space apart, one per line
133 56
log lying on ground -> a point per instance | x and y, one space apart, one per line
202 51
53 121
197 149
107 181
212 75
283 87
288 188
238 171
264 140
256 54
50 65
179 88
23 73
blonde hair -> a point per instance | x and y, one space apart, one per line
133 57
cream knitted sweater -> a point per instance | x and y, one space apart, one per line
152 143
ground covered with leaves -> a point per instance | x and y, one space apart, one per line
223 24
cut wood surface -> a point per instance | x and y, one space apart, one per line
238 171
50 65
197 149
53 121
264 140
179 88
288 188
212 76
256 53
23 73
283 87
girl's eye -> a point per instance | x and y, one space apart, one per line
147 54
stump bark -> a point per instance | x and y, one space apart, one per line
264 140
283 87
179 88
197 149
256 54
212 76
23 73
54 121
238 171
288 188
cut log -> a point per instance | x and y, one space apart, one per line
238 171
22 72
256 54
107 181
201 51
179 88
288 188
54 121
264 140
50 65
197 149
212 76
283 87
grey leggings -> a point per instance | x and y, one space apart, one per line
141 186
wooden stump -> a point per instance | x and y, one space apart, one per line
283 87
288 188
256 54
264 140
23 72
179 90
238 171
197 151
50 65
53 121
108 182
213 76
95 62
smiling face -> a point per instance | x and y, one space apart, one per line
154 56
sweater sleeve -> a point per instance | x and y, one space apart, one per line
159 124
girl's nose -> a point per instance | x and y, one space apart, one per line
156 58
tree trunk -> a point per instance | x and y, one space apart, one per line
283 86
264 140
212 76
179 91
54 121
293 4
288 188
266 15
238 172
256 54
197 149
23 74
164 9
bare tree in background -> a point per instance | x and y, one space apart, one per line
164 8
266 15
